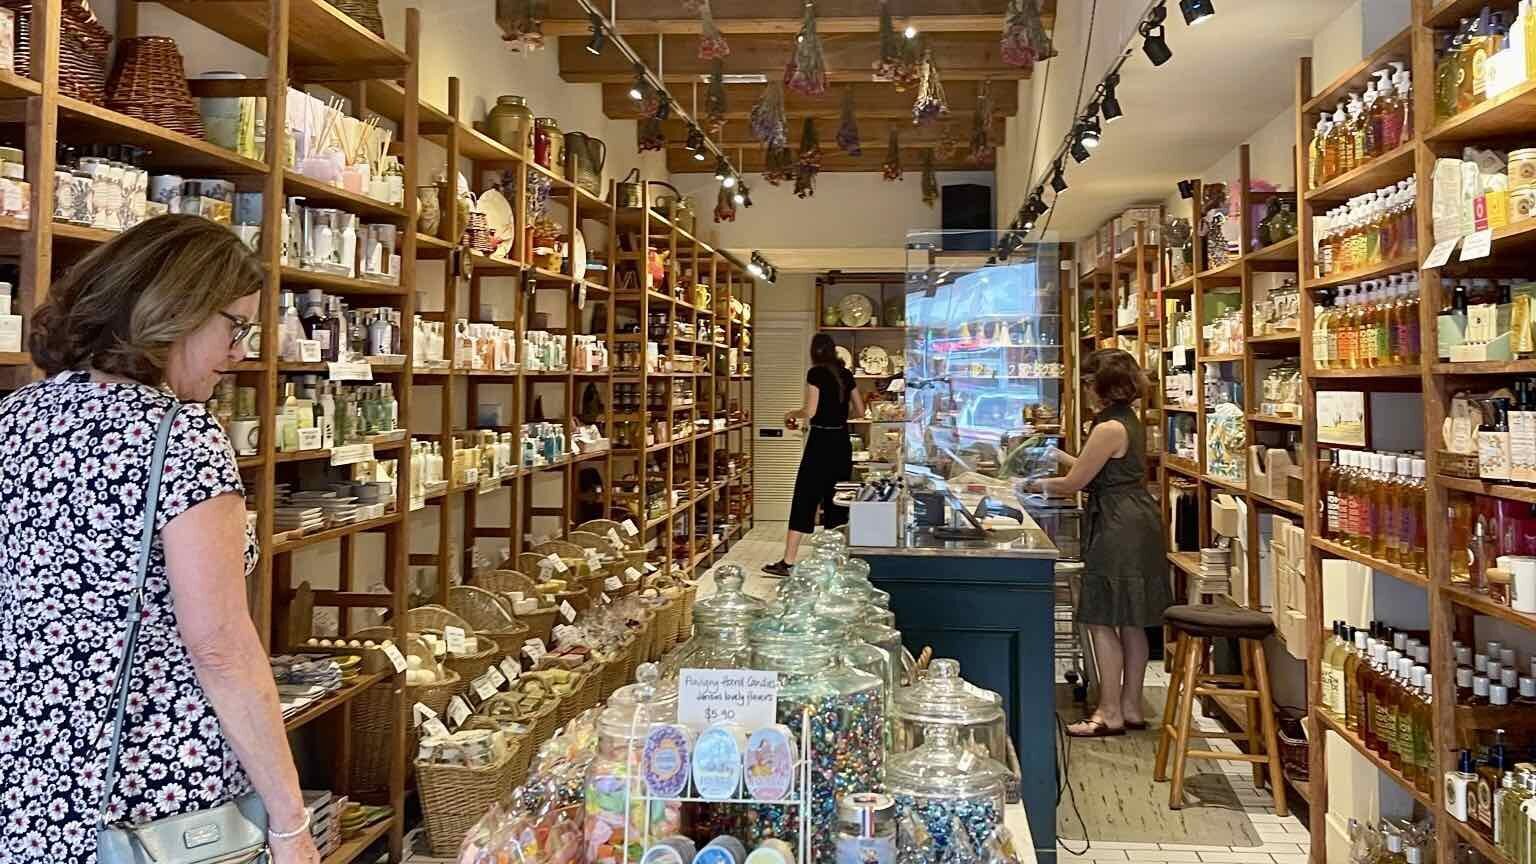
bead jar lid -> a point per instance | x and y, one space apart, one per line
634 707
943 697
730 605
795 640
941 768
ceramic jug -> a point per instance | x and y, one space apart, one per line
584 159
511 123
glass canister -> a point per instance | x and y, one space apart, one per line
511 123
942 698
947 788
720 623
866 829
888 640
615 774
549 145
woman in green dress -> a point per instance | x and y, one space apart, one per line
1125 585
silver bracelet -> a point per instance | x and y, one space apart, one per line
289 835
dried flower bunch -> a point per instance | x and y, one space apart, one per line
1025 41
806 72
891 167
779 165
808 165
712 44
522 23
930 180
769 124
983 147
725 206
848 127
714 99
930 103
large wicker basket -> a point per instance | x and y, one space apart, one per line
541 624
486 612
542 723
364 12
83 47
454 798
149 83
372 718
433 619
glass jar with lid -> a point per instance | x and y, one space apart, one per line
511 123
720 623
549 145
615 773
942 782
942 698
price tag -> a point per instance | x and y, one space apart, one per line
458 711
351 454
567 611
535 649
350 371
1477 245
422 713
631 574
484 687
613 583
604 599
435 728
1440 254
309 350
454 636
511 668
615 539
488 484
554 561
496 677
746 697
396 659
629 528
967 761
651 568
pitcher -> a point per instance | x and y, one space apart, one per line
585 157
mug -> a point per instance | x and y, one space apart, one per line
245 435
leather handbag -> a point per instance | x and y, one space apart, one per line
232 833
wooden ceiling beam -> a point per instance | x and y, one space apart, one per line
872 133
872 100
770 12
832 161
784 26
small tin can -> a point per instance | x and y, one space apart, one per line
1522 168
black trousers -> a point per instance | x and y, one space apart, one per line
826 462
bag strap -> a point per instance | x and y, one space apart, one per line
136 600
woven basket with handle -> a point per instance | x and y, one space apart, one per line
83 47
454 798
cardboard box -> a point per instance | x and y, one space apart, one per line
874 523
1224 515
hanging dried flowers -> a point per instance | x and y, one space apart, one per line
522 23
651 134
768 122
908 71
890 45
848 127
725 206
712 44
714 99
983 148
891 167
1025 41
930 179
778 165
693 7
808 165
930 103
806 73
948 143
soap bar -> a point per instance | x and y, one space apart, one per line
717 760
665 761
770 765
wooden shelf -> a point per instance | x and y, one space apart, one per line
1478 602
64 231
1389 167
13 86
1375 759
1180 286
1292 507
1339 550
326 195
340 284
1188 562
1223 483
1379 372
1386 268
335 700
320 36
1285 250
335 533
1358 75
1181 466
82 122
1512 113
1275 420
349 849
1491 367
1233 269
1220 358
1477 841
1505 491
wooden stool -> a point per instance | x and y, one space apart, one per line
1196 626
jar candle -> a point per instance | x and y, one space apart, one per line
866 829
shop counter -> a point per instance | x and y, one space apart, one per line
989 605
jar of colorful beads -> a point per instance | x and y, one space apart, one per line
616 775
947 788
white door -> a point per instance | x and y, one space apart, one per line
781 349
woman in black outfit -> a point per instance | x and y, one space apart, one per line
828 456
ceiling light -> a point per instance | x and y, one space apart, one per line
755 269
1088 128
695 140
1186 189
1059 180
721 171
599 35
637 89
1196 11
1109 104
740 196
729 182
910 32
1079 152
1155 43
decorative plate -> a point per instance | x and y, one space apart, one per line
845 355
498 213
873 360
857 310
578 256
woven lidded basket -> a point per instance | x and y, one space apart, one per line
364 12
83 47
149 83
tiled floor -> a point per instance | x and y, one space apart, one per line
1284 839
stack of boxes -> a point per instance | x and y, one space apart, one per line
1288 557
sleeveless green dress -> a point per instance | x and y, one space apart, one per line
1125 562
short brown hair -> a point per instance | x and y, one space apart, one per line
1117 377
121 307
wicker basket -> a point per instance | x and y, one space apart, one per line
486 613
372 719
541 724
1291 732
1461 465
364 12
541 624
149 83
433 619
579 599
454 798
83 47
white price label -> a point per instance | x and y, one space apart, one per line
435 728
615 539
311 438
613 583
567 611
496 677
746 697
422 713
454 636
351 454
1441 253
511 668
1477 245
484 687
604 599
651 568
396 659
350 371
458 711
554 561
630 529
631 574
309 350
535 649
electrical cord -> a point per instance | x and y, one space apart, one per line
1064 784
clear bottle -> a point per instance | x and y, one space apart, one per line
1358 130
288 423
1327 482
1386 708
1332 670
1382 501
941 780
615 773
1507 817
1354 698
1316 153
1340 144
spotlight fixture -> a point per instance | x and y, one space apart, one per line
599 35
695 142
1058 179
1109 104
755 269
1197 11
739 197
1088 127
729 182
637 89
722 171
1079 152
664 107
910 32
1186 189
1154 36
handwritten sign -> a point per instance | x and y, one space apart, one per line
1440 254
746 697
1477 245
350 371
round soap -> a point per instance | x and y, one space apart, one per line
772 851
717 756
770 771
724 849
670 850
665 761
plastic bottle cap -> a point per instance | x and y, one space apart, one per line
1464 763
1479 685
1498 694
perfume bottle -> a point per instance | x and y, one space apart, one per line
1458 788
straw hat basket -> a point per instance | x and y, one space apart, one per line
489 616
83 47
364 12
373 714
541 624
455 797
149 83
432 619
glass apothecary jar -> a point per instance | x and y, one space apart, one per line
942 698
720 623
549 145
941 782
615 771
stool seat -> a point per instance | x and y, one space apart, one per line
1213 622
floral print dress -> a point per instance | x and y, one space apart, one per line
72 485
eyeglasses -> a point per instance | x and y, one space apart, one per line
239 329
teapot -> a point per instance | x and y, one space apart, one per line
584 159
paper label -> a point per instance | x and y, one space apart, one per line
454 636
484 686
489 484
309 350
631 574
567 611
554 561
350 371
396 659
1440 254
497 679
604 599
629 528
435 728
613 583
351 454
1477 245
615 539
458 711
418 503
421 713
511 668
745 697
535 649
311 438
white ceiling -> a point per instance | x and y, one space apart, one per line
1229 76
